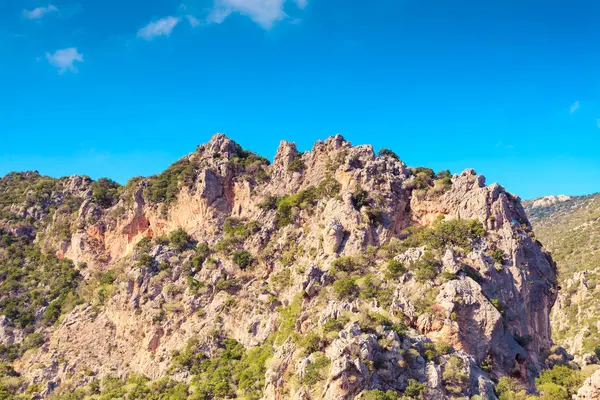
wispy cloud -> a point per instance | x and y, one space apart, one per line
194 22
264 12
574 107
162 27
301 3
65 59
39 12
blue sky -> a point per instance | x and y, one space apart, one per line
120 89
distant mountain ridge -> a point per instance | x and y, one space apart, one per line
570 229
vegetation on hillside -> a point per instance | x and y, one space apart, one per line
570 230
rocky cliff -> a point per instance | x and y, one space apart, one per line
334 274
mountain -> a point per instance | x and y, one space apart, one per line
336 273
570 229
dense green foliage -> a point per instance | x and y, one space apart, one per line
31 280
287 205
394 269
388 153
414 390
441 234
345 288
30 189
235 232
315 371
252 164
242 258
426 268
560 382
231 371
164 187
179 240
106 192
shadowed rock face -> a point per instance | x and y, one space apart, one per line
491 301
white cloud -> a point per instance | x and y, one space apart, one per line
65 59
39 12
194 22
162 27
574 107
263 12
301 3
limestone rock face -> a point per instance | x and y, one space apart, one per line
487 305
590 389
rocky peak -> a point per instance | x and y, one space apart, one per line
350 270
218 145
549 201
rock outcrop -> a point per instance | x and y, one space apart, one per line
361 273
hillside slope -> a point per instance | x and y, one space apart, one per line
570 229
330 274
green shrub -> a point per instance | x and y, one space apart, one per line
561 382
423 178
108 278
415 390
335 324
144 245
344 264
497 304
509 388
231 371
441 234
105 192
328 188
227 285
454 377
31 280
165 186
311 343
552 391
345 288
388 153
446 276
394 269
426 268
161 240
269 203
144 261
242 259
380 395
370 288
296 165
304 200
498 256
314 371
472 273
180 240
